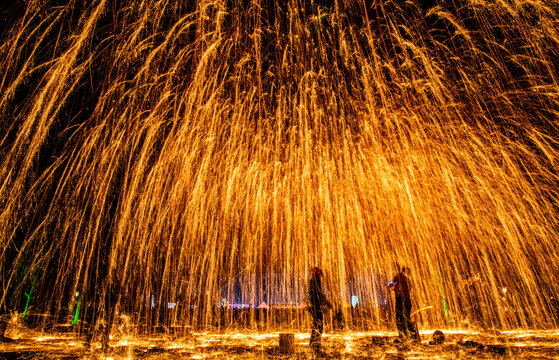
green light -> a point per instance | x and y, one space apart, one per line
444 305
77 311
442 295
322 15
27 304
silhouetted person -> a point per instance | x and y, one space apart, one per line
318 302
401 286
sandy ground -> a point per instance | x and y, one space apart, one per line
521 344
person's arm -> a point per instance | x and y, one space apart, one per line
392 284
324 300
328 303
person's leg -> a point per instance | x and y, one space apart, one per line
414 332
408 326
316 332
399 309
313 329
320 328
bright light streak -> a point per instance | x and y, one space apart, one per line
173 155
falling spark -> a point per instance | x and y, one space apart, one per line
157 153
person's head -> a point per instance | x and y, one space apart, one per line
406 270
316 272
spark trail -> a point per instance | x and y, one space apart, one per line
159 147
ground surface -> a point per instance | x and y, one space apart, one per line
526 344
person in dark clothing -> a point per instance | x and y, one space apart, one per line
318 302
401 286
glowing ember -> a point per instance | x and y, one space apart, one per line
543 344
169 167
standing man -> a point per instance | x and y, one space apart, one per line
318 302
401 286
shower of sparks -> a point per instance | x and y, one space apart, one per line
162 158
